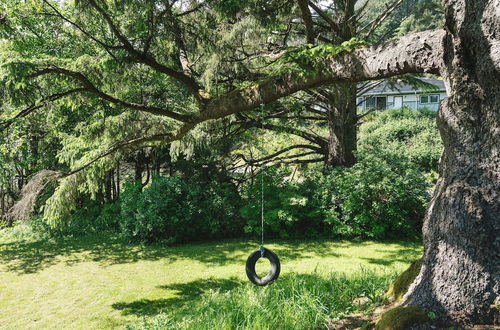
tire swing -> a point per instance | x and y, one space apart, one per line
274 271
262 252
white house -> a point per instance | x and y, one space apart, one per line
385 96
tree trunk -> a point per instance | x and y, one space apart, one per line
140 166
118 187
342 101
108 195
460 276
341 118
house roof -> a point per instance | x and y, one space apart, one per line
404 88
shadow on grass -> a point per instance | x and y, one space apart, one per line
408 254
32 257
184 293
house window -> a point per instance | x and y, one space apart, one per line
426 99
370 102
379 102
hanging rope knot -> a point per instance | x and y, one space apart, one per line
262 250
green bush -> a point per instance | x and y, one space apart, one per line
90 218
289 207
403 133
376 198
177 210
28 231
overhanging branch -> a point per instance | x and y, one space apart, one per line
417 53
88 86
35 106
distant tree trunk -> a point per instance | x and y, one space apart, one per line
113 186
2 203
341 117
460 276
140 166
118 180
108 189
148 176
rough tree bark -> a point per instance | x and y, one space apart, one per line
460 276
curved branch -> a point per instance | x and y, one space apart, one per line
189 11
88 86
40 104
417 53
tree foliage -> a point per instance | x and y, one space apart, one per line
108 78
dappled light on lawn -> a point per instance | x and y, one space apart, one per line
101 282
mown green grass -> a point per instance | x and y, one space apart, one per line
101 282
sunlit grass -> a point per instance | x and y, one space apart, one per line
296 301
100 282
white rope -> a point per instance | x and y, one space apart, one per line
262 178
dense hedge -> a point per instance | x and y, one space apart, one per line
176 210
376 198
290 207
403 134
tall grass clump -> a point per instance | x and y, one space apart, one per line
296 301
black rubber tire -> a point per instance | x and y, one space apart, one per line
274 272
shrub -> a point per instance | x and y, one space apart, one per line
403 133
90 218
376 198
289 207
176 210
30 231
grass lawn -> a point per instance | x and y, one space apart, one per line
100 282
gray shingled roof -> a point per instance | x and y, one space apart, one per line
403 88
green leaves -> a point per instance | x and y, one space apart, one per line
177 210
308 60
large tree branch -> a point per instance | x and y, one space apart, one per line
88 86
417 53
